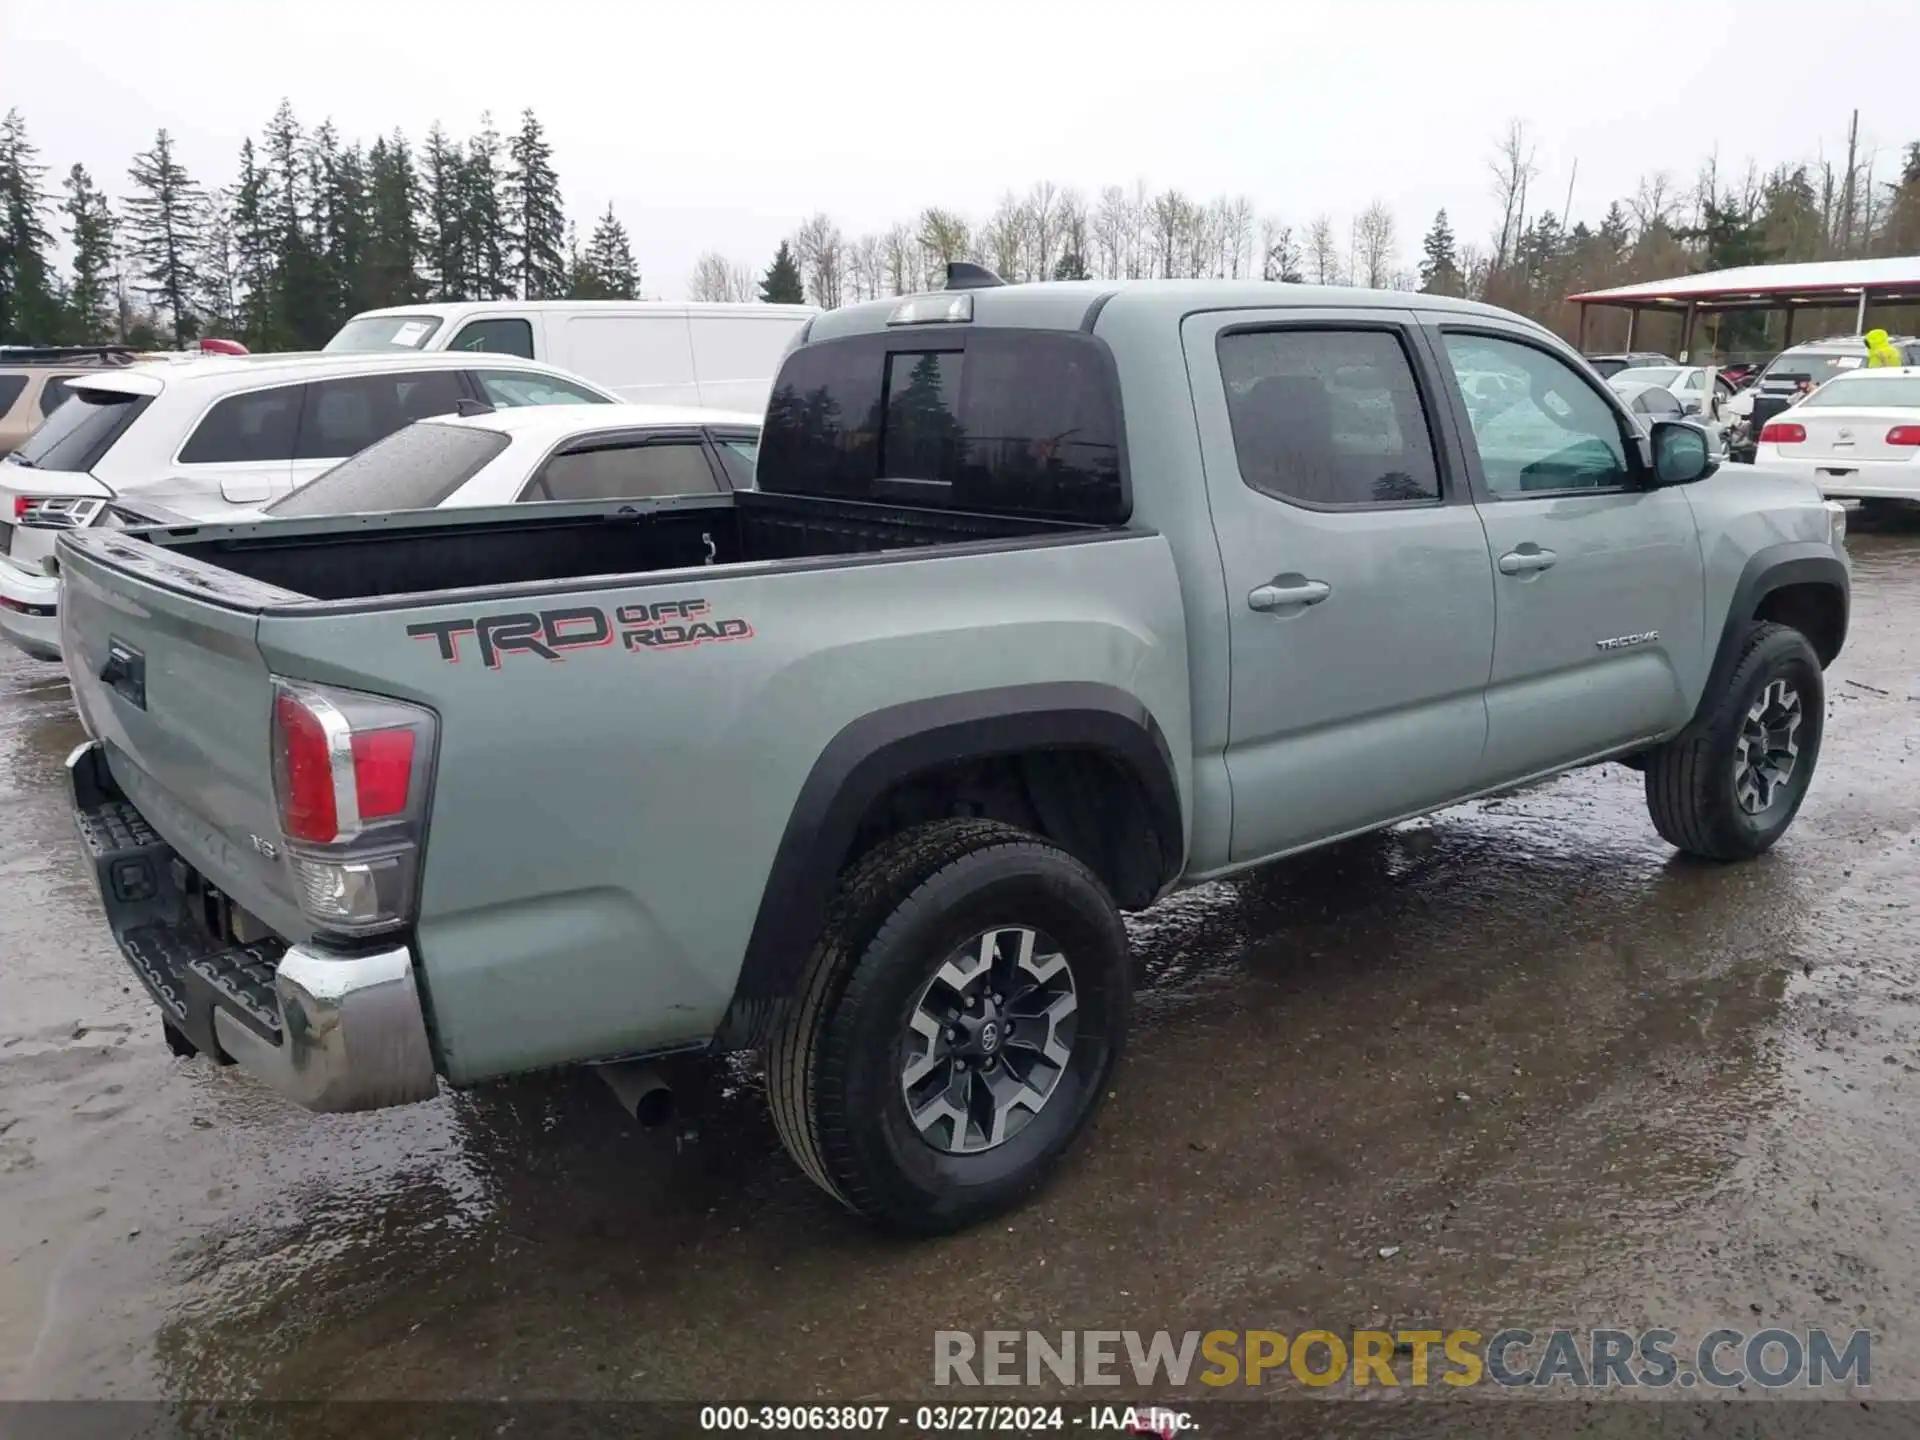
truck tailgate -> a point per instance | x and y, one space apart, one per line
167 676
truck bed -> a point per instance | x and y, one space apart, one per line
370 557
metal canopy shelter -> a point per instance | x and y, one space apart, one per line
1823 284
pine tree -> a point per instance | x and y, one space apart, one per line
480 202
256 254
304 303
90 232
218 302
30 305
607 267
1072 265
1440 267
1615 230
442 221
394 251
163 233
338 184
782 284
535 219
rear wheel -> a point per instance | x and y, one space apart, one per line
957 1026
1731 790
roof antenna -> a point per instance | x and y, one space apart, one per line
965 275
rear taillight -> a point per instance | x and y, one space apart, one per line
1781 432
350 773
55 512
1904 435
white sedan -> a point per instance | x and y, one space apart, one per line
1687 384
543 452
1857 437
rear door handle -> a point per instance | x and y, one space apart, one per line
1287 592
1526 559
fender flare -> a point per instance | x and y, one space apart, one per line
1796 562
880 749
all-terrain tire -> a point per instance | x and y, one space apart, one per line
833 1065
1691 779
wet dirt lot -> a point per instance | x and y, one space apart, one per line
1574 1080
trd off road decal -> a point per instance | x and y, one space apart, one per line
550 634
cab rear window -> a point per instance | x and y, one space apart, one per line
1004 421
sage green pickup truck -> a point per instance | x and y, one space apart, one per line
1049 599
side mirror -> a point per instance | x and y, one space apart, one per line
1682 453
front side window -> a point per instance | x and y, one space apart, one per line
1544 428
1328 417
256 428
496 337
10 388
510 389
627 471
345 416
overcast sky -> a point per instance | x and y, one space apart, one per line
720 125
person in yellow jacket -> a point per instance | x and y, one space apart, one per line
1880 352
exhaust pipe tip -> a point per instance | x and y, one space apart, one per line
641 1091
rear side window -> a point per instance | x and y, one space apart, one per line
76 436
52 395
1013 422
496 337
255 428
10 388
627 472
413 470
345 416
510 389
1328 417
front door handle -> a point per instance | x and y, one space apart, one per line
1288 592
1526 559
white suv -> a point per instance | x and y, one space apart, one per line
217 437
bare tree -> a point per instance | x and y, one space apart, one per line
1512 167
1040 226
821 250
903 263
866 267
1374 243
1112 234
1004 238
717 278
944 238
1474 267
1653 203
1279 256
1323 252
1169 220
1236 234
1074 239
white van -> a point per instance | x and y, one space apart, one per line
646 351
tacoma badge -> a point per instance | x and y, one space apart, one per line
1621 642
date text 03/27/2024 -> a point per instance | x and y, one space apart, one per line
1153 1420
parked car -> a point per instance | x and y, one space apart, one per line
1648 403
645 351
207 437
34 379
1817 360
561 452
1688 384
1047 600
1611 365
1857 437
